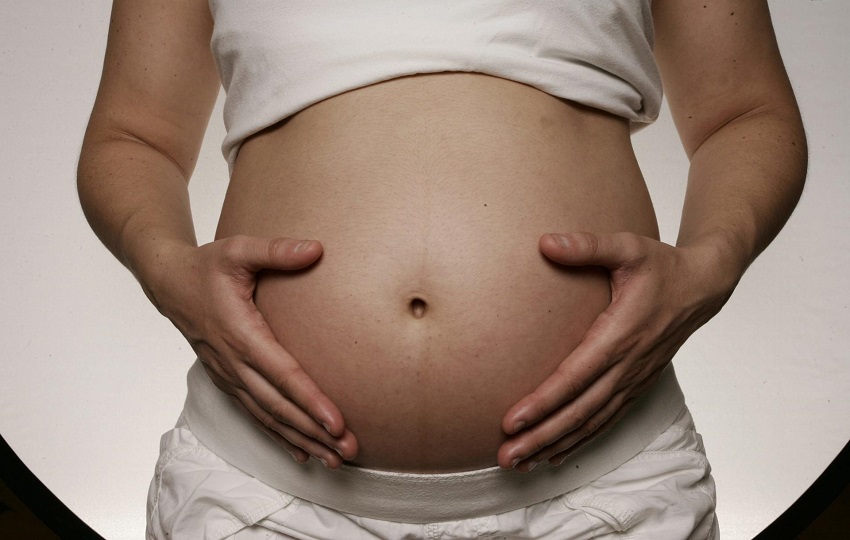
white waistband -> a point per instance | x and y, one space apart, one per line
421 498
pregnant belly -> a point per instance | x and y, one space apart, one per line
431 310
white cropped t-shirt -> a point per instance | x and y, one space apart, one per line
277 57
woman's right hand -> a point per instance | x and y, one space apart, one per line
208 293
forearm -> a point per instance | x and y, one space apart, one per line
136 200
744 182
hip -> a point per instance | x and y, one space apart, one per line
222 429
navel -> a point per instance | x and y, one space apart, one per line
418 307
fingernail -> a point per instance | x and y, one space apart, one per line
323 462
519 425
327 428
338 451
532 465
514 462
302 246
562 240
560 461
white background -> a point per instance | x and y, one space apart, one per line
92 375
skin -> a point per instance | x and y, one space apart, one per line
739 124
500 316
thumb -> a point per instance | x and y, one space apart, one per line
255 254
610 250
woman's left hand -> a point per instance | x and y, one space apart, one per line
660 295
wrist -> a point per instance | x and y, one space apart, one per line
729 249
158 264
720 258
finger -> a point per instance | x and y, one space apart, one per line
595 426
288 437
611 250
602 421
254 413
606 418
288 378
616 333
575 418
285 374
255 387
253 254
297 453
328 458
286 413
599 423
582 367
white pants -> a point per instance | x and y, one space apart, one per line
666 492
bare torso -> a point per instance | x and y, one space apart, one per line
432 310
